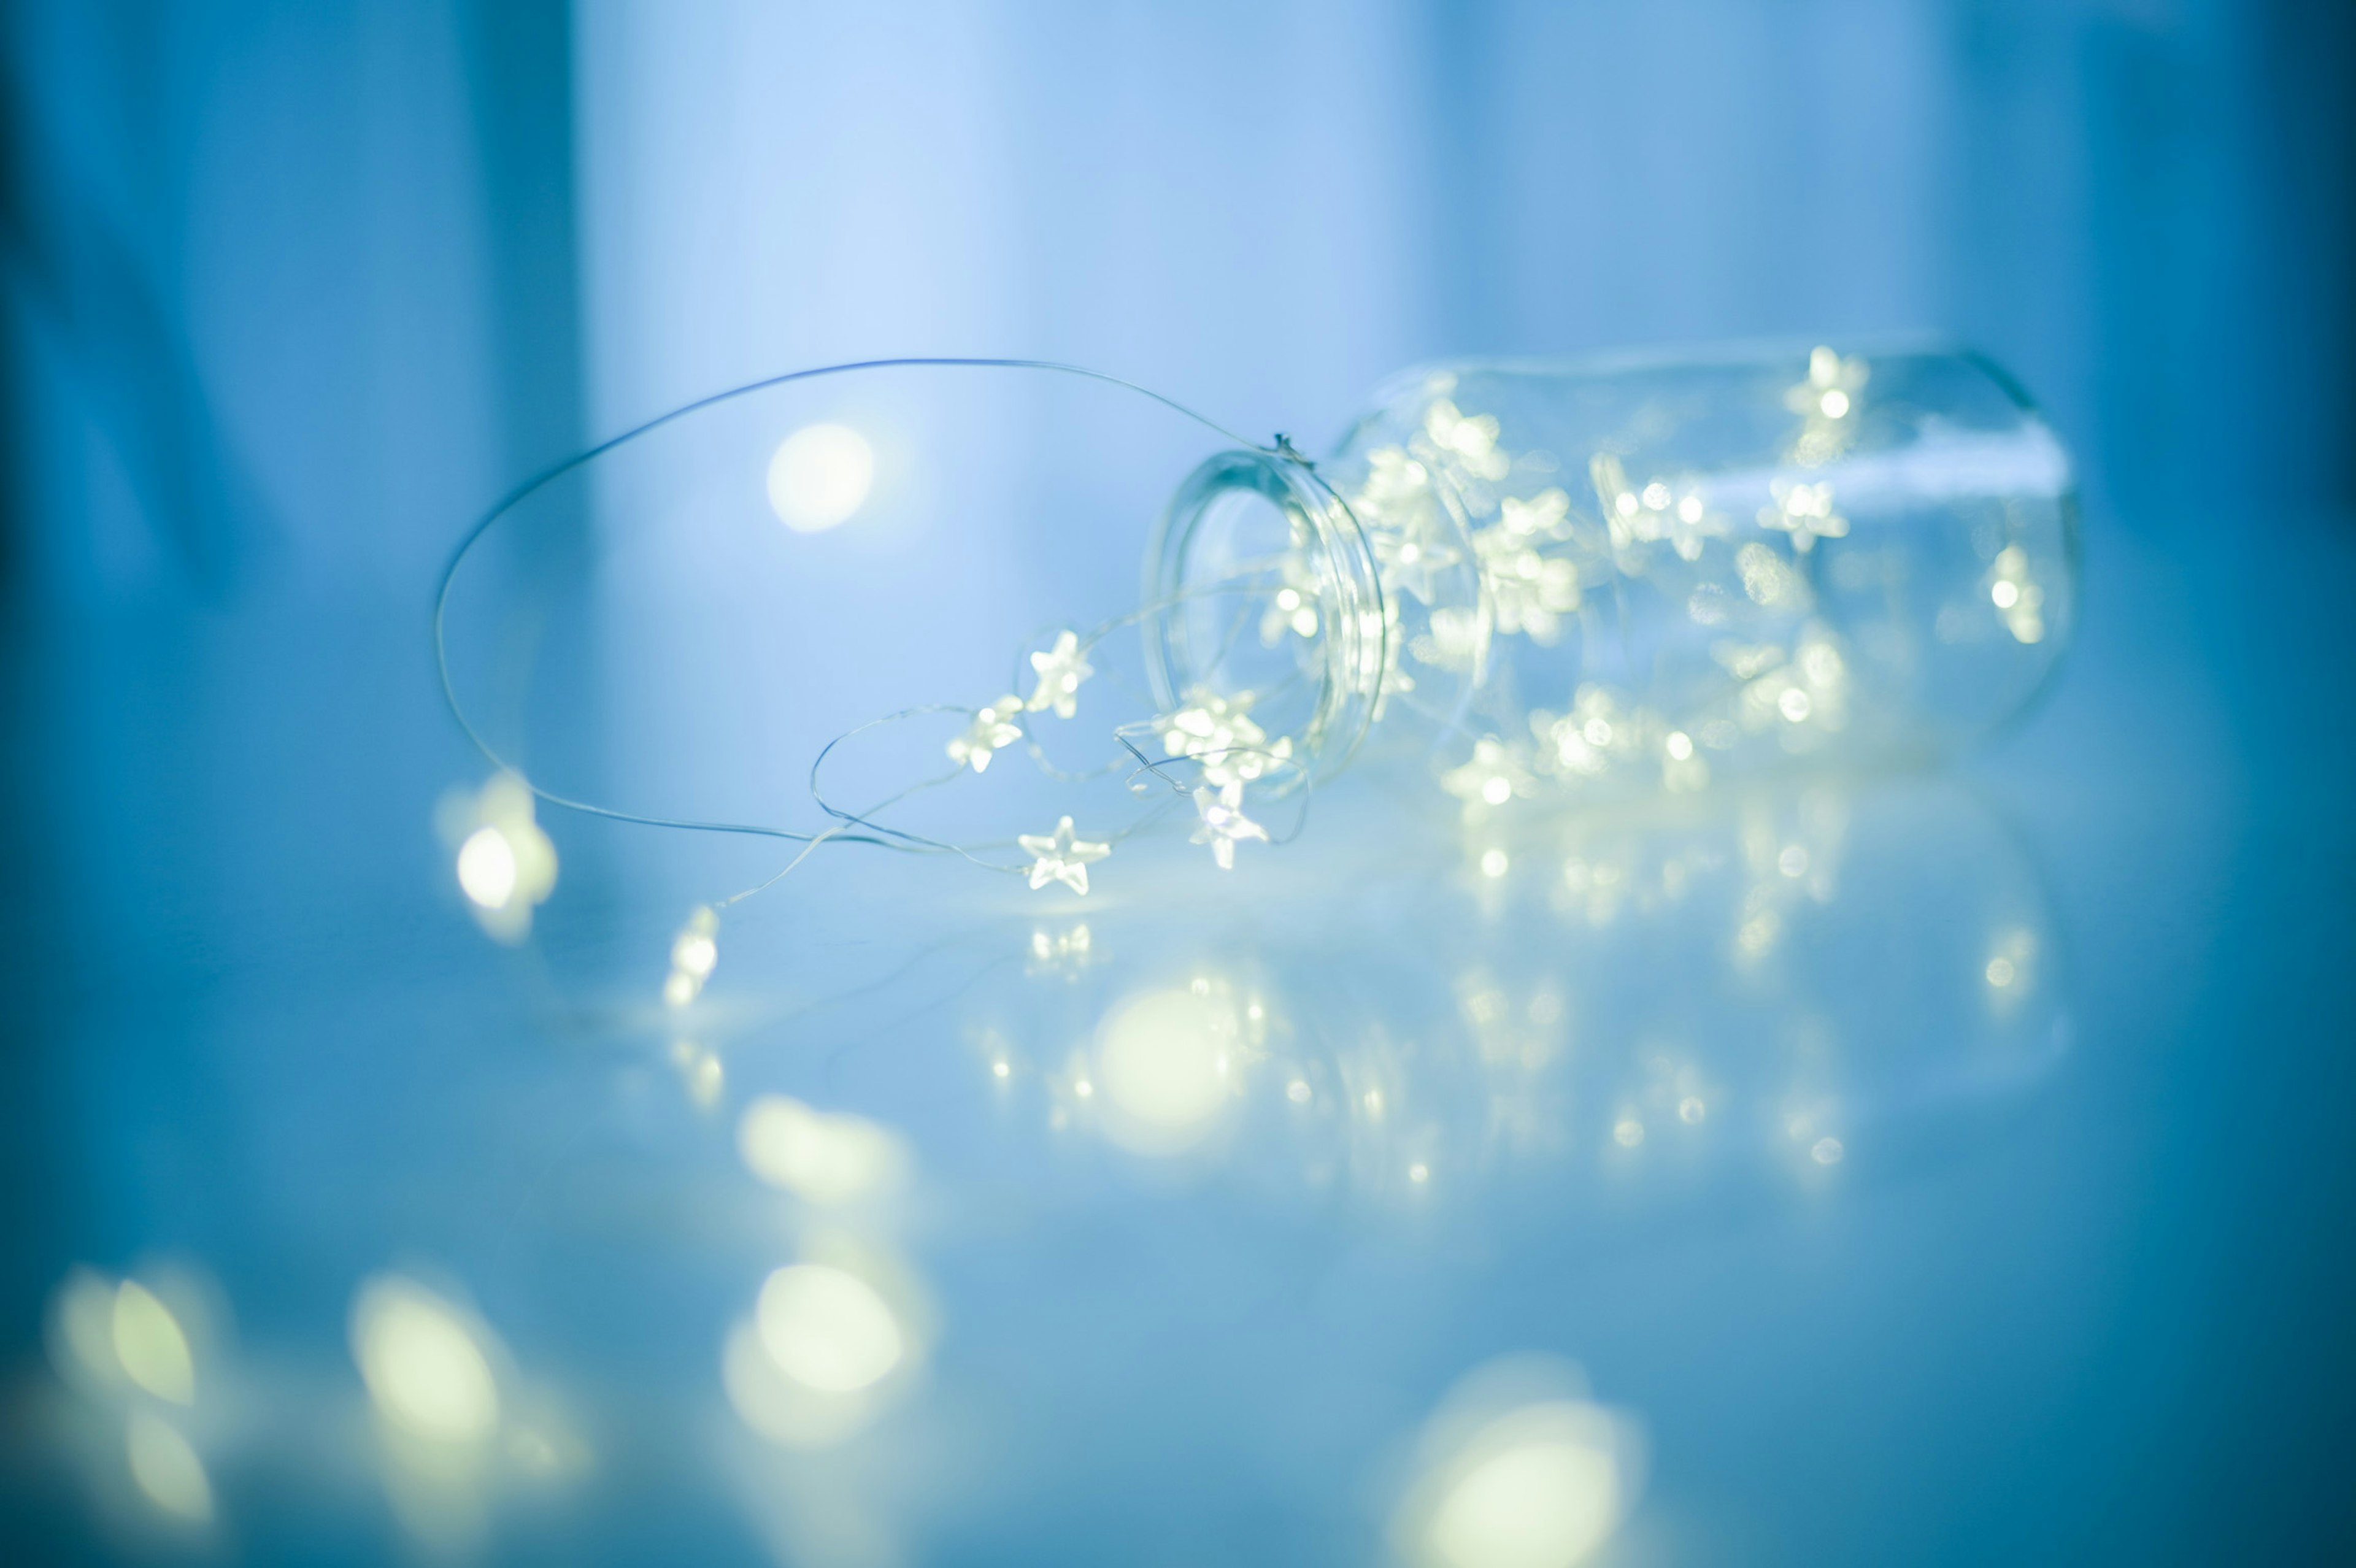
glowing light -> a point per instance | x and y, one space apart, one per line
1162 1058
1418 1173
1538 1486
1060 671
1825 401
1000 1070
827 1329
820 1157
504 864
1297 1092
1792 862
2018 599
1795 705
1827 1151
167 1469
1061 858
819 477
424 1366
1217 732
1084 1089
694 954
1628 1132
1681 745
994 730
487 868
1804 512
83 1309
150 1345
1223 822
1491 777
2001 971
1067 952
701 1070
1492 863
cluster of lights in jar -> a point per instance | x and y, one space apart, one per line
1539 559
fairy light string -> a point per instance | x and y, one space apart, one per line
1210 748
1475 551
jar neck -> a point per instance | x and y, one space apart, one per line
1263 593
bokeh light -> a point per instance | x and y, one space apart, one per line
424 1361
822 1158
819 477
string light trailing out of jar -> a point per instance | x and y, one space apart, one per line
1532 582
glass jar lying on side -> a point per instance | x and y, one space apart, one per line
1638 573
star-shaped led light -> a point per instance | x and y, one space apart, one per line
1653 512
1826 403
1223 822
1544 516
1292 608
1528 593
1468 440
993 728
1412 559
1061 858
1061 669
1806 512
1588 739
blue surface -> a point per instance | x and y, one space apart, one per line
296 292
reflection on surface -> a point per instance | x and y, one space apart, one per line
827 1328
453 1421
1660 990
168 1470
1520 1469
150 1345
833 1341
1170 1063
131 1348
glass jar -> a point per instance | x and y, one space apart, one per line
1645 572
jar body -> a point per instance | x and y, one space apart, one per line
1662 571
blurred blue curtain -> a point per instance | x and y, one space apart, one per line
287 293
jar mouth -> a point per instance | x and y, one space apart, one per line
1261 595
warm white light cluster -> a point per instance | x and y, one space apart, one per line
1539 559
1217 732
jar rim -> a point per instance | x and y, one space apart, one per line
1353 625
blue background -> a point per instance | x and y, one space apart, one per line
293 293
